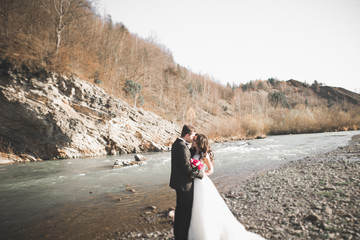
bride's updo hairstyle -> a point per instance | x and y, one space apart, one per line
203 143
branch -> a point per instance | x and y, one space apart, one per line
42 4
74 13
57 11
67 7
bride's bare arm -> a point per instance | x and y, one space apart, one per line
210 167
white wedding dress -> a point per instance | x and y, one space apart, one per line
211 218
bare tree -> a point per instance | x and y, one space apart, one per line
63 13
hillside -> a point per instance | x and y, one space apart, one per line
49 116
331 94
140 74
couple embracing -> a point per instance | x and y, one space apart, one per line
201 213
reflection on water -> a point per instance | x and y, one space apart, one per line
68 188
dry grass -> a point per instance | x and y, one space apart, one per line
5 147
240 127
284 121
308 120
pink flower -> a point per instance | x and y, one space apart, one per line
195 163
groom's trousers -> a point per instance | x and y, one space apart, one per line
184 201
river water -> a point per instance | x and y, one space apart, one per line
77 198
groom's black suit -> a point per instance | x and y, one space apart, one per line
181 179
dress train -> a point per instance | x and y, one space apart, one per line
211 218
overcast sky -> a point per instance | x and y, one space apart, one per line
237 41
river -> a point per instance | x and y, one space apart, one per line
78 198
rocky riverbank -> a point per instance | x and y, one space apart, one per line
313 198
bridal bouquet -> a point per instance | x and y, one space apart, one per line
196 164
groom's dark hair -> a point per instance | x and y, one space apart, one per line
187 129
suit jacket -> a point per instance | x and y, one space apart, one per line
182 174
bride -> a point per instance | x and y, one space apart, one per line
211 219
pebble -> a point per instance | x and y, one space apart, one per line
171 214
328 210
313 198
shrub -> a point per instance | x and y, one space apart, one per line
245 87
277 98
261 85
271 81
133 88
96 78
191 89
330 103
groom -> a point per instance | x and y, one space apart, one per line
181 179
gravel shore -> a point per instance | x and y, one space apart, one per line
313 198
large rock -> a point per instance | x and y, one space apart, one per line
125 163
140 158
50 116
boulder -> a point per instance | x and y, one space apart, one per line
124 163
140 158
